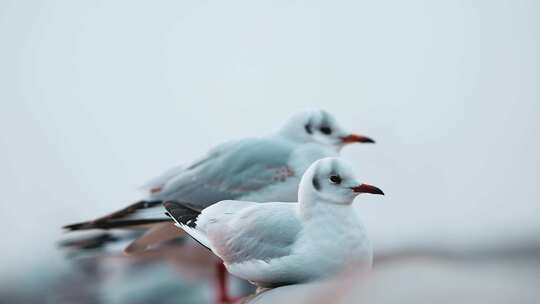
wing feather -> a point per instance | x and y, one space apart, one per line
252 232
230 171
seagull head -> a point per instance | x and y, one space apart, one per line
319 126
331 180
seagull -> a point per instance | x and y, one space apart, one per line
261 169
282 243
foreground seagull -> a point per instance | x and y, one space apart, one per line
277 243
254 169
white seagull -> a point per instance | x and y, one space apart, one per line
253 169
282 243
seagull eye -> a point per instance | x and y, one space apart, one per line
326 130
335 179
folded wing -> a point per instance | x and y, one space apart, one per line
240 231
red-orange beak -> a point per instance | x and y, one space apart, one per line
365 188
355 138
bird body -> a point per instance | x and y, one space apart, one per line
281 243
319 249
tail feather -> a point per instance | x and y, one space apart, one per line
114 225
124 218
94 241
185 217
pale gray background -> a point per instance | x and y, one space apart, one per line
98 96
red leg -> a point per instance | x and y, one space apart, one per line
222 292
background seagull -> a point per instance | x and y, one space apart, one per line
283 243
254 169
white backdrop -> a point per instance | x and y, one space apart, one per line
98 96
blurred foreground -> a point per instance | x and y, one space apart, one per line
497 275
503 273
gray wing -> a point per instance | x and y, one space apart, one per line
240 231
230 171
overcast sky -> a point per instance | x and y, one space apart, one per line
98 96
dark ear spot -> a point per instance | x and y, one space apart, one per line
316 183
308 128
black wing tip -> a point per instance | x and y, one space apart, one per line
174 210
76 226
174 206
122 224
117 219
181 213
171 205
98 241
